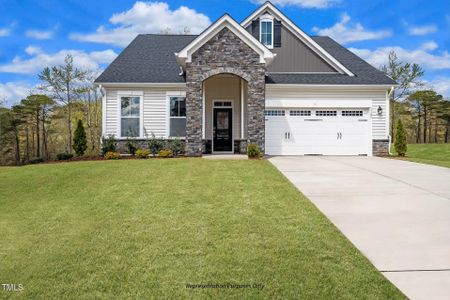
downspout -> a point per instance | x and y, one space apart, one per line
388 116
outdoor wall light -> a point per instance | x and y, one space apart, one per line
379 110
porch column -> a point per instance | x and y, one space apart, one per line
194 112
256 105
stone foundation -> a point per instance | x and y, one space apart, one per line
380 147
142 144
240 146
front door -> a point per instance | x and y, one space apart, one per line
222 130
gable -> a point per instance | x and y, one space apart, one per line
303 45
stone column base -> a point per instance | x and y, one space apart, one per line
380 147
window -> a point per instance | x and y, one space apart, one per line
130 116
352 113
222 103
266 36
300 113
274 113
326 113
177 116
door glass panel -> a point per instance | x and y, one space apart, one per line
222 120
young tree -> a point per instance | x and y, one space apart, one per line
400 143
63 83
407 76
79 139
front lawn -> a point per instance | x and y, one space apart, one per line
434 154
146 229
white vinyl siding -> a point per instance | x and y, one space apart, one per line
155 110
337 96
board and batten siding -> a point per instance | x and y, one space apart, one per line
155 110
378 97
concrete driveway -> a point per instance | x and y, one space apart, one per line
396 212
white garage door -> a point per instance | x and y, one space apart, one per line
327 131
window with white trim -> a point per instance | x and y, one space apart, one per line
274 112
352 113
266 30
326 113
130 116
300 113
177 116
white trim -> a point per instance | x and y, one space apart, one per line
185 55
321 103
266 18
300 34
203 109
331 86
168 95
232 124
103 91
142 84
242 108
121 94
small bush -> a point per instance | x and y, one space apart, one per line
112 155
79 139
176 146
64 156
164 153
253 151
132 146
155 144
400 143
109 144
36 160
142 153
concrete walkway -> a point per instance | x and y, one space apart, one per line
396 212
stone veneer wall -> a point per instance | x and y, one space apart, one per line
380 147
224 53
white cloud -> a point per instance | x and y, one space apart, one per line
39 34
421 30
13 92
421 56
40 60
441 85
345 31
146 17
301 3
4 32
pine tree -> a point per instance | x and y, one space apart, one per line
79 139
400 143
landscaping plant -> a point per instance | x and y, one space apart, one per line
155 144
164 153
64 156
112 155
132 145
253 151
400 143
79 139
176 146
109 144
142 153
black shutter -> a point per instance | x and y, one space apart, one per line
255 29
277 33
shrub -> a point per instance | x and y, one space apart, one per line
112 155
36 160
400 143
164 153
109 144
142 153
176 146
64 156
79 139
253 151
132 146
155 144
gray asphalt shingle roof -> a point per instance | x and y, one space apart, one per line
150 59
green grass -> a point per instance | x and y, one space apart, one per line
144 229
433 154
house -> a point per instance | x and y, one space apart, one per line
262 81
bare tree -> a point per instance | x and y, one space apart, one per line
407 76
63 83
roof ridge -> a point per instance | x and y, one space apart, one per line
170 34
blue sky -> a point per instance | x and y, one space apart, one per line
34 34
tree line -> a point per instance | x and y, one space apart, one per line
41 125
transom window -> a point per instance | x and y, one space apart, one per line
326 113
177 116
266 36
352 113
300 113
274 112
130 113
223 103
